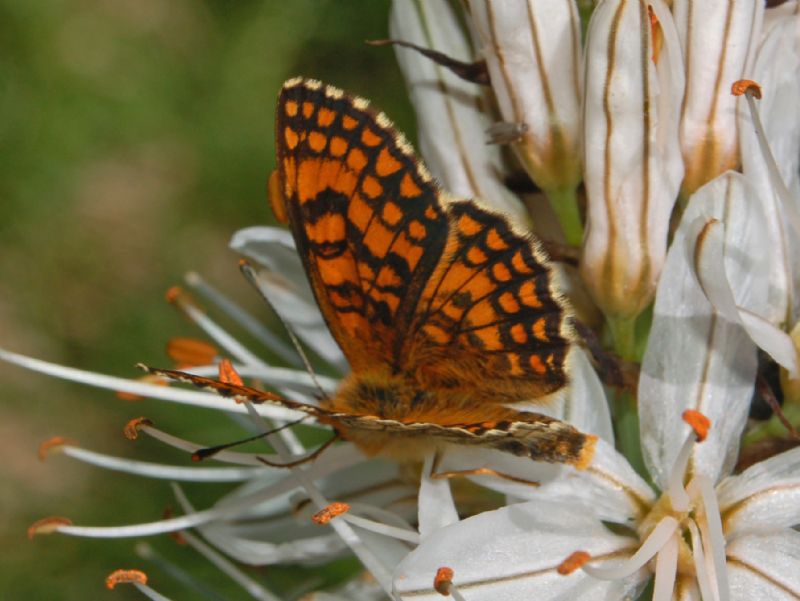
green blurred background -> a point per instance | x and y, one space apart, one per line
136 137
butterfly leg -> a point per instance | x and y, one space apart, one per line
480 471
305 459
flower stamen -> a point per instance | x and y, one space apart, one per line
653 544
54 444
575 561
131 429
125 577
47 525
326 514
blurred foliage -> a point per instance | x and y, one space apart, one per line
136 137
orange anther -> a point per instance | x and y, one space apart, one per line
228 373
190 352
173 294
328 513
443 581
743 86
54 443
125 577
698 422
131 429
47 525
575 561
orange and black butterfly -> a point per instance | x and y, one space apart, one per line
446 313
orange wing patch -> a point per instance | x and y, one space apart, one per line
367 248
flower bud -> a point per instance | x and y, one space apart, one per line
718 39
451 124
633 87
532 50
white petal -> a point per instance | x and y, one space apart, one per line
765 567
451 124
587 407
609 487
764 496
436 507
695 359
709 252
512 554
284 283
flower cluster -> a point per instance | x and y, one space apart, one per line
663 143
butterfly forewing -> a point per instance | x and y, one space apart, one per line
367 223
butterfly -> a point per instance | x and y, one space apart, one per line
447 313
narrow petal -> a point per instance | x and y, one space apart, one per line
764 496
436 507
164 393
450 118
513 553
587 407
695 359
765 567
709 256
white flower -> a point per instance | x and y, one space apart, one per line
707 534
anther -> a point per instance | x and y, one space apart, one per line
575 561
326 514
54 444
743 86
698 422
125 577
190 352
443 581
131 429
47 525
228 373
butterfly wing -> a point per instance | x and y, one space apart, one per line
443 293
490 322
365 217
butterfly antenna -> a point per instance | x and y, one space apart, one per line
207 452
250 275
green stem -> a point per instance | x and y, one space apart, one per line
626 420
623 333
564 202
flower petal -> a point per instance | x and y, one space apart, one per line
436 507
695 359
765 567
764 496
513 554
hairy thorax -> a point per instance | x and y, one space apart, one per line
389 397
